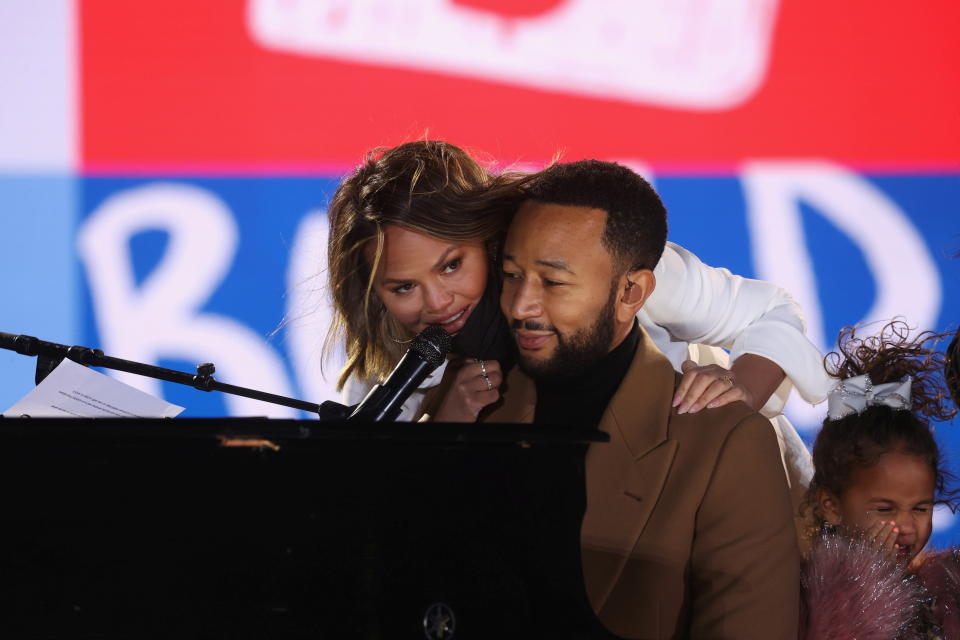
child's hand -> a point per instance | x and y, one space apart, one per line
882 536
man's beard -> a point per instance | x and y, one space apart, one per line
574 353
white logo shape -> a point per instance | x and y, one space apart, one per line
696 55
906 276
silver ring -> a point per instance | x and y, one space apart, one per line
487 380
483 367
728 378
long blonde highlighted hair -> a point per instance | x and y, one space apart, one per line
429 187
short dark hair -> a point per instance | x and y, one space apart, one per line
636 228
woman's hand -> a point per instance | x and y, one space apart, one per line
882 536
752 379
707 386
475 386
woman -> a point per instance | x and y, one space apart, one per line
413 242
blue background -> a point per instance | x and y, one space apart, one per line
46 293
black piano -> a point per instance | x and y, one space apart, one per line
236 528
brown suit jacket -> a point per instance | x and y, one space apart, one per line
688 531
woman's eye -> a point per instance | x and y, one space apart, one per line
921 509
508 275
453 265
403 288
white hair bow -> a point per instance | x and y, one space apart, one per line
854 395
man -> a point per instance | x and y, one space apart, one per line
688 530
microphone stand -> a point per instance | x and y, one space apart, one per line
51 354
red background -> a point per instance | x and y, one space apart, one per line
180 84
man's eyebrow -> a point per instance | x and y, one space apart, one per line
553 264
556 264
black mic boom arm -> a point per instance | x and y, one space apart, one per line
50 354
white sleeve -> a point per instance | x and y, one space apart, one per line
355 390
700 304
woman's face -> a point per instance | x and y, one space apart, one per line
425 281
899 489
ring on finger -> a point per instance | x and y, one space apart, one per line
483 367
728 378
486 379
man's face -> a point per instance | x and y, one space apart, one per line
559 290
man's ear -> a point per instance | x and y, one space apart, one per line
635 288
828 507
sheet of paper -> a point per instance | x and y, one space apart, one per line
74 391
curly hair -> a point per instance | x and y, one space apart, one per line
951 368
859 440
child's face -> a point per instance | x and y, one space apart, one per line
898 489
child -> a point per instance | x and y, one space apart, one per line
877 476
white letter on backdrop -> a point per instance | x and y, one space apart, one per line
161 317
309 311
907 280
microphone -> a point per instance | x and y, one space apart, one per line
385 401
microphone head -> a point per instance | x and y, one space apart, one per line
432 344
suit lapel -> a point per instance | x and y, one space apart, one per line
626 477
639 411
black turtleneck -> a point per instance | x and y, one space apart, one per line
486 335
580 400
